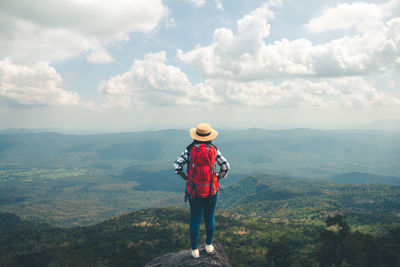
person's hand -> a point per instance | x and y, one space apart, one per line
221 175
184 176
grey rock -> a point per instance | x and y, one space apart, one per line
184 258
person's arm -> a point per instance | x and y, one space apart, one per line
223 165
179 163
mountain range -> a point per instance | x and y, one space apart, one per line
82 179
258 218
114 199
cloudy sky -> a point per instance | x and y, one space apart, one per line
138 64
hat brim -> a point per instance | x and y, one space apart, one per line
197 137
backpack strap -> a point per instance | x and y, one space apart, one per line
192 185
189 147
212 176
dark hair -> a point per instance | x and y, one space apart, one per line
201 142
195 142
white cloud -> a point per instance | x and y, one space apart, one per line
247 56
201 3
46 29
229 54
99 56
360 16
219 5
152 82
198 3
356 92
273 3
353 92
38 84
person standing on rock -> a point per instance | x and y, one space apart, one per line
202 182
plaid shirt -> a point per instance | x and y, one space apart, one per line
184 158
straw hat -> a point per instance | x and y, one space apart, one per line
203 132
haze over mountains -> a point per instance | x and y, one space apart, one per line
297 152
81 179
378 125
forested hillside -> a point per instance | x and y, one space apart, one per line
82 179
134 239
371 208
54 182
262 220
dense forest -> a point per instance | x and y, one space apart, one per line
263 220
58 193
134 239
370 208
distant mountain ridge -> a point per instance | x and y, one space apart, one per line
296 152
388 124
364 178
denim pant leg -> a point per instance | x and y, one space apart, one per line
209 218
196 211
197 208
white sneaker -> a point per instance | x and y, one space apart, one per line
209 248
195 253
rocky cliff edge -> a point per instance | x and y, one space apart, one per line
184 258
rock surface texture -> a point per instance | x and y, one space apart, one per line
184 258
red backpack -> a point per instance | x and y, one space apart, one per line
202 180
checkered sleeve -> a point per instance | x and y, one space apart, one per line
223 165
181 161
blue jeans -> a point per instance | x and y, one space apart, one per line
198 207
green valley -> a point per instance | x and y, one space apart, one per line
58 193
